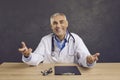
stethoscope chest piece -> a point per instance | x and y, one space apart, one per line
52 54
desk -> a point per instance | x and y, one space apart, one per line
21 71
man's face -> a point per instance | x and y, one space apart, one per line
59 25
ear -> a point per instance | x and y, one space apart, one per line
67 23
51 26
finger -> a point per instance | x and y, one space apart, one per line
27 52
96 55
96 59
21 49
23 44
30 50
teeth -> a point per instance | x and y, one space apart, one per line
57 29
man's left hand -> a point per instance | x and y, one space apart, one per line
92 58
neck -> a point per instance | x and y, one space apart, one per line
61 37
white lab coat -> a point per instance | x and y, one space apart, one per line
71 53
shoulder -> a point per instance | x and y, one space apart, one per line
47 37
76 35
77 38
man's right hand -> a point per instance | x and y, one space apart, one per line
24 50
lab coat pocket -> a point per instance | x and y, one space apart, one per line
70 58
71 51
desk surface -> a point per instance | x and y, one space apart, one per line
21 71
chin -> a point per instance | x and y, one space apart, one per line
59 33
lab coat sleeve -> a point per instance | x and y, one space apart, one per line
83 52
37 56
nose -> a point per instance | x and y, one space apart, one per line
58 25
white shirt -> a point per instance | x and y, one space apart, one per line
73 52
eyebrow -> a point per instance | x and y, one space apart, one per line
55 22
61 20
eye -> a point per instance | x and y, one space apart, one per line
62 21
54 23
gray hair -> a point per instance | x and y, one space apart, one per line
57 14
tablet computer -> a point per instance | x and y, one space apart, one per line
66 70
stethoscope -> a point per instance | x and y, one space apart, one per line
53 46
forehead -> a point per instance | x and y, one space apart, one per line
59 18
